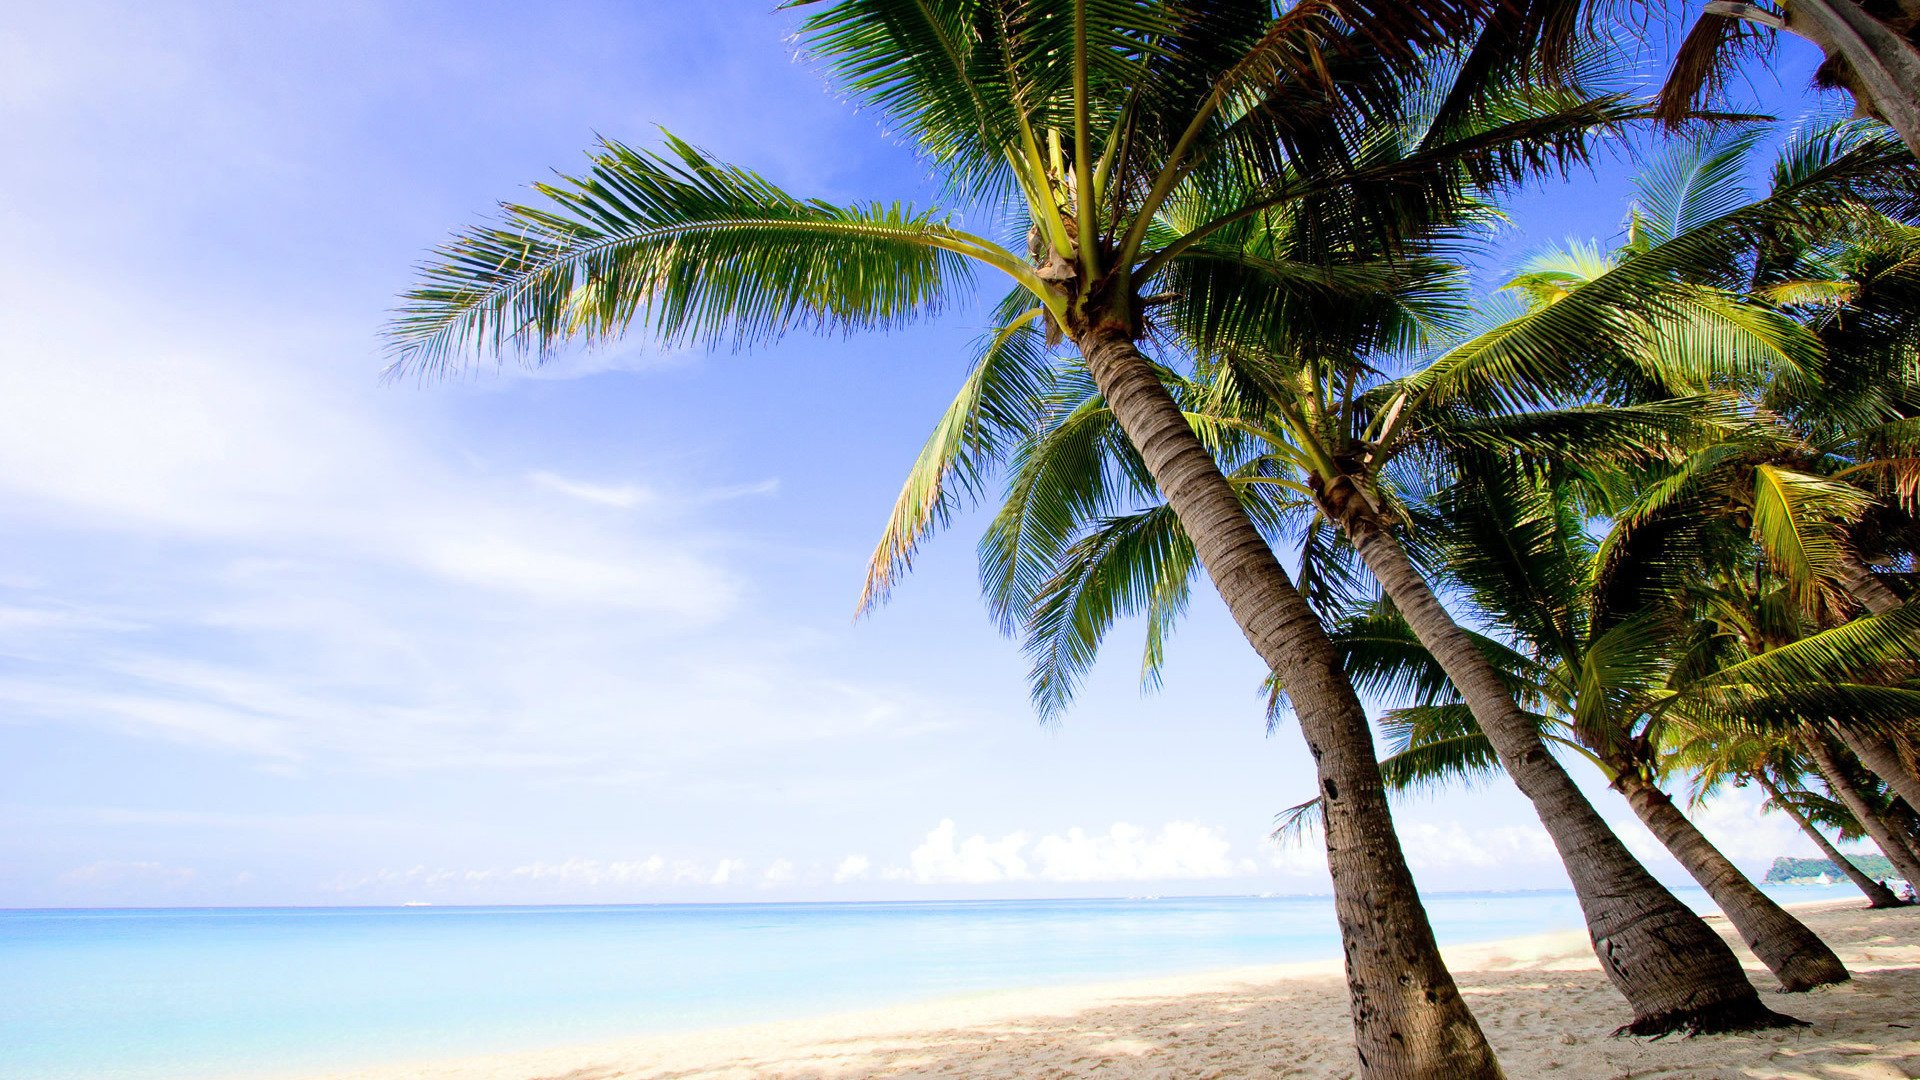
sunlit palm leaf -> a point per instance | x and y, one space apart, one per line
683 246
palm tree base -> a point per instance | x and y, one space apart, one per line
1723 1018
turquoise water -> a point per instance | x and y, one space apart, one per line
174 993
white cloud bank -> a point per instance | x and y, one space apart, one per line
1178 851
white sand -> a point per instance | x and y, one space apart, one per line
1542 1000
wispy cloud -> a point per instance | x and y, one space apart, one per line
622 496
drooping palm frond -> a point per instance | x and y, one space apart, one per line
1138 563
1437 746
995 408
1382 655
1797 520
1712 50
685 247
1514 546
1072 471
1431 748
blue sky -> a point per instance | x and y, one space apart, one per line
272 631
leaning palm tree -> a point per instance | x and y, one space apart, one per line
1850 785
1337 442
1723 757
1602 652
1083 122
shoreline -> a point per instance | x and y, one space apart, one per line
1540 998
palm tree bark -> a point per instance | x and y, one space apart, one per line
1840 781
1795 955
1878 895
1879 66
1409 1018
1877 752
1676 972
1902 815
1866 587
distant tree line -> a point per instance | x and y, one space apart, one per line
1787 870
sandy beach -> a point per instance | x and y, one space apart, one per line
1541 999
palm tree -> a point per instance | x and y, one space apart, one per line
1332 438
1084 121
1868 46
1719 758
1602 652
1842 776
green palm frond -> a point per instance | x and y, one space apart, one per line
978 84
1384 657
686 247
1657 314
1696 182
1123 566
1586 437
1797 519
1076 469
1514 545
994 409
1841 654
1621 671
1436 746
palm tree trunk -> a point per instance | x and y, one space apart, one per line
1878 753
1878 895
1879 66
1675 971
1840 782
1902 815
1866 587
1795 955
1410 1022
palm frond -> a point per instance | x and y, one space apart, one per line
1121 567
995 408
1797 519
687 247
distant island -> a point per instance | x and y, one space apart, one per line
1785 871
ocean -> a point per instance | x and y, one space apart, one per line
165 994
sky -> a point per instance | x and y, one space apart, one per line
275 631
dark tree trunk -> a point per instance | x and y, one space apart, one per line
1902 814
1878 895
1675 971
1795 955
1840 781
1878 753
1409 1018
1866 587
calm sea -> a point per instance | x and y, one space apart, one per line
174 993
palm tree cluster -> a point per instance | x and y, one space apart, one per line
1655 514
